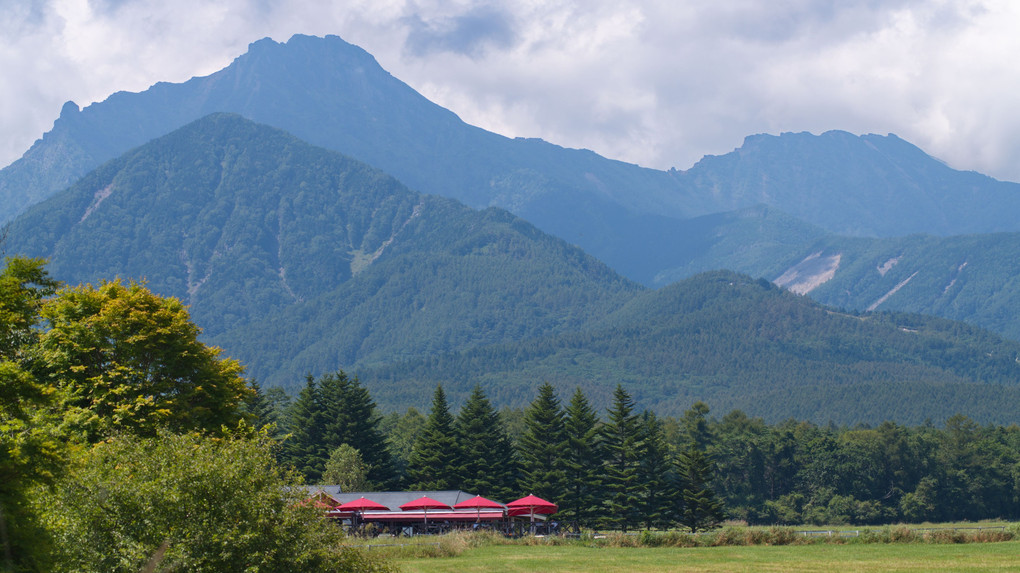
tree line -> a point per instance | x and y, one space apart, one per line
628 469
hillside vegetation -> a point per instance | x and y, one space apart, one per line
739 343
298 260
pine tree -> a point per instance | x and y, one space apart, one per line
303 448
621 437
332 411
542 447
434 459
701 508
262 410
582 461
351 418
488 466
658 496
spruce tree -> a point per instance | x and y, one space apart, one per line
621 437
350 418
332 411
658 496
582 461
434 458
701 510
542 447
488 466
304 448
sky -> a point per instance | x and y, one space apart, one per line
660 83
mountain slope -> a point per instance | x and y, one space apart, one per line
866 185
739 343
336 95
299 260
975 278
251 226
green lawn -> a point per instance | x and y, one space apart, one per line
976 557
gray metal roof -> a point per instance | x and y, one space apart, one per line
394 499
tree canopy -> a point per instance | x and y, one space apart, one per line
127 359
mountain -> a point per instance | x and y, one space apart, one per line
298 259
335 95
866 185
975 278
645 223
736 342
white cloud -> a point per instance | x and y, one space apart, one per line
654 82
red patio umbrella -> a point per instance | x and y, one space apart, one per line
362 504
424 503
478 502
534 505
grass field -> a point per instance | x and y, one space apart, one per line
976 557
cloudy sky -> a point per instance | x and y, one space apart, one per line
655 82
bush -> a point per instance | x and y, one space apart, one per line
190 503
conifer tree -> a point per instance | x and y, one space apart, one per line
701 509
488 466
542 447
582 461
304 448
621 437
332 411
434 459
350 417
658 496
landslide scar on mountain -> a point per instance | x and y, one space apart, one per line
97 199
360 260
807 275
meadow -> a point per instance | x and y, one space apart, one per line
976 557
736 549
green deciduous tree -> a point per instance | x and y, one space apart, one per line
190 503
31 449
130 360
346 468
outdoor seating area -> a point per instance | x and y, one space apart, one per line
432 512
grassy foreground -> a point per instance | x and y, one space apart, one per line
976 557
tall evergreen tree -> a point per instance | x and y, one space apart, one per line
332 411
304 448
488 466
621 437
582 462
542 447
351 418
658 496
702 509
434 459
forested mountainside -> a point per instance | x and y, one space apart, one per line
739 343
335 95
974 278
244 222
299 260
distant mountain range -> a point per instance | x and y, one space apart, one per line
299 260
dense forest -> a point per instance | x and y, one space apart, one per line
740 343
624 468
